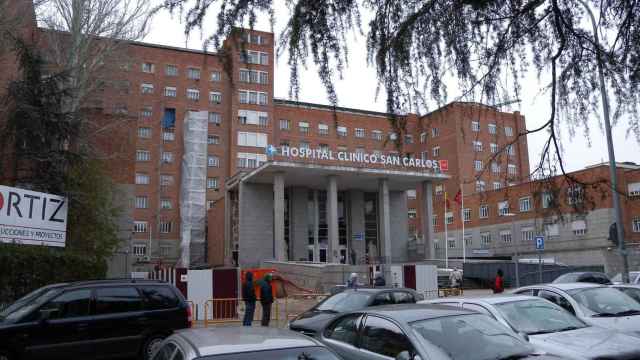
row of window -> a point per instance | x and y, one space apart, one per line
340 148
254 57
192 94
478 165
475 127
143 226
477 147
253 97
254 38
141 249
323 129
254 76
142 202
193 73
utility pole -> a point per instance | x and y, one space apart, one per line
612 158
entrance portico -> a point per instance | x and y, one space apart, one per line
294 211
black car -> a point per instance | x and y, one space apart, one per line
586 277
92 320
314 319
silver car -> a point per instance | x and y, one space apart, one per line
416 332
634 278
551 329
241 343
598 305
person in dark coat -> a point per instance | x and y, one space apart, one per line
249 297
498 285
379 280
266 298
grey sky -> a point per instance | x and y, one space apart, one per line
357 89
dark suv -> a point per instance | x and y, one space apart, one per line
92 320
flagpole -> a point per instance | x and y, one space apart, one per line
446 236
464 245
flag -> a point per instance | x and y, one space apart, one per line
458 198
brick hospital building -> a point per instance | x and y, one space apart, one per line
218 171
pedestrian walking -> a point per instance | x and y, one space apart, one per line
249 297
266 298
498 284
379 280
352 283
455 278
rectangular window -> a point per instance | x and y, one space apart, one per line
551 229
143 155
146 112
165 227
495 168
376 135
213 161
547 200
165 204
575 195
210 204
249 160
142 179
140 227
468 240
193 94
171 70
167 157
215 76
494 148
303 126
505 236
412 213
525 204
285 124
436 151
451 243
215 118
323 129
492 129
360 133
477 165
342 131
435 132
636 224
170 91
503 208
511 169
213 139
475 126
579 227
511 151
142 202
165 250
634 189
477 146
508 131
212 183
148 67
434 220
466 214
408 139
411 194
484 211
193 73
168 136
166 180
254 57
139 249
480 186
215 97
252 97
439 189
144 132
252 139
423 138
485 240
497 185
527 234
449 217
146 88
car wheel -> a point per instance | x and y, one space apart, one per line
151 345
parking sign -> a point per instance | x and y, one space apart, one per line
539 242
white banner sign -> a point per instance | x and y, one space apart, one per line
33 218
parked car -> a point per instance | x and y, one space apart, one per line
550 328
242 343
414 331
587 277
92 320
632 291
634 278
313 320
594 304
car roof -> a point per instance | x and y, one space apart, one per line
570 286
115 282
496 299
236 339
377 289
415 312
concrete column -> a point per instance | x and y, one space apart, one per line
279 245
228 259
299 227
316 221
333 255
356 202
427 220
384 219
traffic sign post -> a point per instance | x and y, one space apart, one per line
540 248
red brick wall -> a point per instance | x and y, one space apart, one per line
215 233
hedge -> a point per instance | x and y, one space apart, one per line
24 268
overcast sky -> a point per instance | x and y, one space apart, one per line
357 89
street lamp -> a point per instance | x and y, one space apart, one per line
514 239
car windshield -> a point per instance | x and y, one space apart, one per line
538 317
566 278
27 303
634 293
345 301
605 301
470 337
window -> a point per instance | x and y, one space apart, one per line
323 147
146 88
451 243
303 126
148 68
408 139
466 214
304 145
113 300
212 183
508 131
547 200
142 202
249 160
436 151
575 195
423 138
503 208
139 226
165 250
252 139
439 189
636 224
468 240
166 180
193 94
254 76
495 168
359 133
342 131
411 194
146 112
412 213
511 151
213 161
344 330
448 217
634 189
494 148
525 204
167 157
193 73
475 126
254 57
492 129
144 132
511 169
213 139
139 250
376 135
477 146
383 337
168 135
505 236
477 165
435 132
170 91
165 227
215 76
210 204
165 204
551 229
484 212
215 97
215 118
527 234
579 227
497 185
70 304
480 186
323 129
253 97
360 150
285 124
434 220
485 239
142 179
171 70
143 155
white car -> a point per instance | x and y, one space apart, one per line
551 329
634 278
598 305
632 290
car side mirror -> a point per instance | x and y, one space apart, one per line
524 336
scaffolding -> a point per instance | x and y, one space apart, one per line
193 190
